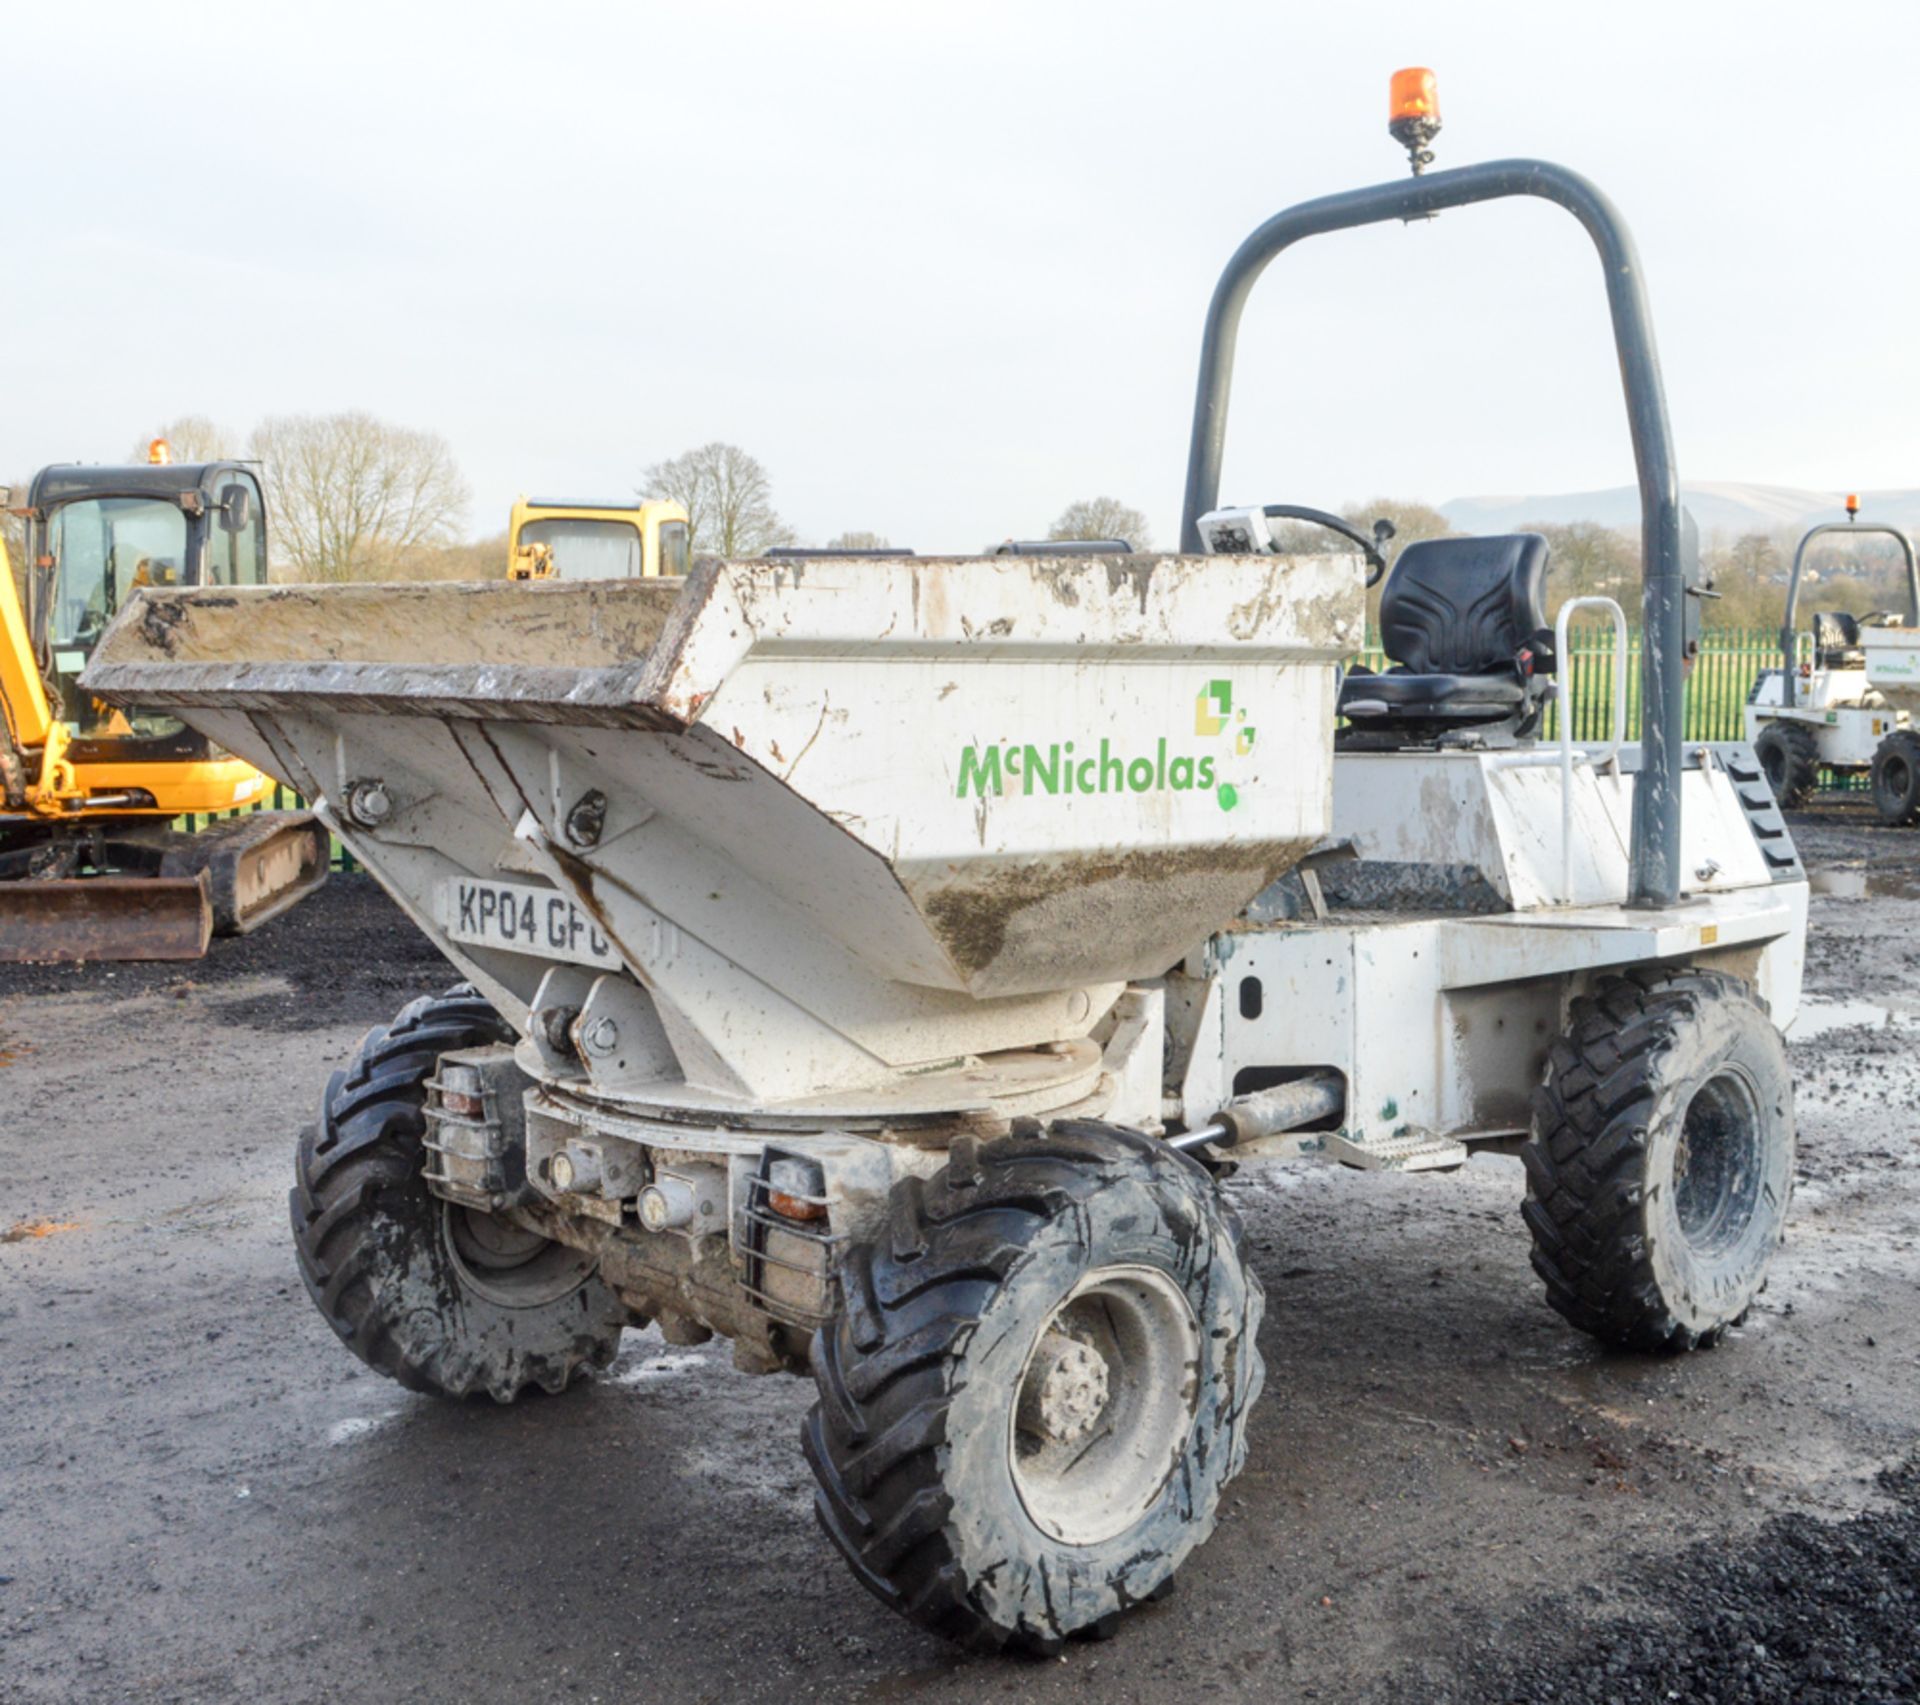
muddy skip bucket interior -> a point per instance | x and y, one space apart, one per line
883 793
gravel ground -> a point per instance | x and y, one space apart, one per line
1450 1495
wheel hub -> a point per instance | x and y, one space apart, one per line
1105 1403
496 1245
508 1264
1065 1391
1718 1164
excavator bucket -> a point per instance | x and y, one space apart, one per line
72 921
227 879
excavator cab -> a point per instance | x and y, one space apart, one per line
98 535
549 538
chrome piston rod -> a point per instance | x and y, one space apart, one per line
1267 1112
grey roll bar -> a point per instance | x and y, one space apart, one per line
1788 627
1654 878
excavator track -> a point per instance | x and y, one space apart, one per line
256 866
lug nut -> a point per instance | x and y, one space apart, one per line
368 803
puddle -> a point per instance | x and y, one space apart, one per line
1818 1017
647 1370
1866 884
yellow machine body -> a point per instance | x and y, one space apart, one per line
91 866
548 539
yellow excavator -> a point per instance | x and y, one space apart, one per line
91 863
596 541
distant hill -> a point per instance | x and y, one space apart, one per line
1718 507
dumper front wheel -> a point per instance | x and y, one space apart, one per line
442 1298
1038 1386
1790 760
1661 1159
1896 778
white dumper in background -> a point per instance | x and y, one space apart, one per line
876 961
1892 659
1848 706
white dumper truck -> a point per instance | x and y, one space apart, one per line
1891 652
1848 706
877 962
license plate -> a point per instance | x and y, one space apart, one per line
521 918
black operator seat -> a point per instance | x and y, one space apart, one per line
1836 641
1462 622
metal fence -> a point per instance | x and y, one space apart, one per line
284 799
1722 675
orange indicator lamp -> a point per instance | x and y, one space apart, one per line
1413 114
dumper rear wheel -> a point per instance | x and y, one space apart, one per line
1038 1386
1790 760
442 1298
1661 1160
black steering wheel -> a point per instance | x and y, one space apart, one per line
1383 530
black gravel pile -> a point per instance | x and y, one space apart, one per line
1818 1613
347 954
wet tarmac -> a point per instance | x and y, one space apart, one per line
1450 1495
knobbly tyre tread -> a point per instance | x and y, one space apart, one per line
1586 1156
915 1295
1799 760
1897 805
366 1150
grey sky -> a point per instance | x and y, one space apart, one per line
941 266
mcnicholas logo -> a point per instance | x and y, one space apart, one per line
1070 767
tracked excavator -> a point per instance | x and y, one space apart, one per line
92 865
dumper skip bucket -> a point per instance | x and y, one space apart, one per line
836 818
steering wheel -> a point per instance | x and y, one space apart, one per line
1383 530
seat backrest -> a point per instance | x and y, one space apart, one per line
1464 606
1835 631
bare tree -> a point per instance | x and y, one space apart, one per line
1102 518
1756 557
728 498
192 438
1412 521
13 533
351 497
857 541
1587 560
476 559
